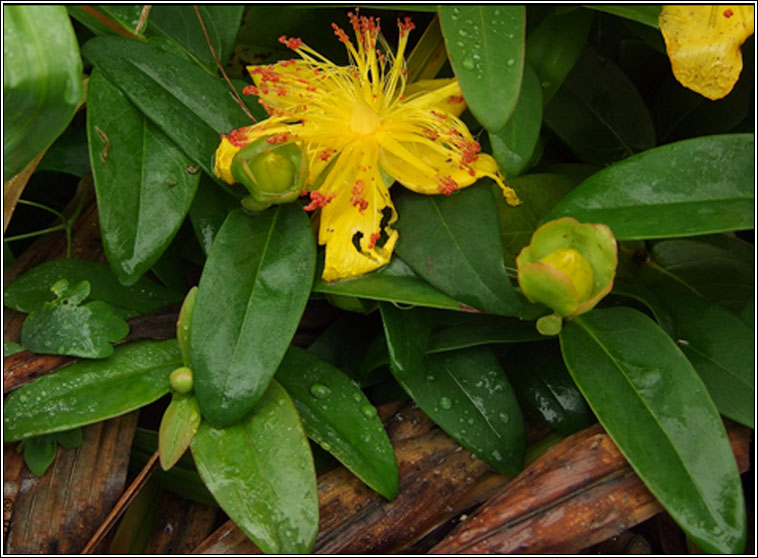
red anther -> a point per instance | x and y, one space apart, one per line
359 202
440 115
281 137
292 43
456 98
447 185
357 189
372 240
327 153
285 63
250 90
406 26
431 134
341 35
281 92
728 13
318 200
470 149
267 74
237 138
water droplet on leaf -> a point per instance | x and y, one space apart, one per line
320 391
369 411
445 403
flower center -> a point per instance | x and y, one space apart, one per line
364 120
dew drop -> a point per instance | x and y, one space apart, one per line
460 44
326 446
476 56
497 13
510 35
505 417
23 398
471 421
511 62
369 411
496 456
357 397
463 32
545 84
320 391
366 437
430 378
445 403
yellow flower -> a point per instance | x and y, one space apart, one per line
703 43
360 128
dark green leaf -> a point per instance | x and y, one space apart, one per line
208 210
69 153
11 348
143 188
486 48
513 146
261 473
538 194
251 295
181 24
90 391
599 113
454 243
188 104
42 81
395 282
39 453
465 392
338 417
63 327
652 403
100 21
544 386
643 14
554 46
695 186
169 269
32 289
178 426
70 439
344 343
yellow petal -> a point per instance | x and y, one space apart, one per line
222 167
703 43
355 223
452 102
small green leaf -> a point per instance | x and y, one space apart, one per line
554 46
251 296
178 426
514 145
642 14
454 243
658 412
465 392
90 391
63 327
598 112
261 473
338 416
42 81
70 439
184 325
39 453
486 49
696 186
143 187
31 290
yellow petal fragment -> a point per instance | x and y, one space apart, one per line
703 43
452 102
222 166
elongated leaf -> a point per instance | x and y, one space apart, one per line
188 104
513 146
261 473
658 412
90 391
642 14
465 392
338 417
599 113
695 186
42 81
184 325
181 24
554 46
453 242
345 342
395 282
486 49
143 185
108 19
32 289
208 211
251 295
178 426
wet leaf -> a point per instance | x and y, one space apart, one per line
178 426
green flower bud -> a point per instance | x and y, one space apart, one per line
181 380
272 172
568 266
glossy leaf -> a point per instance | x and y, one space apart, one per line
695 186
261 473
208 211
538 194
181 24
642 14
184 325
485 45
108 19
338 416
42 81
39 453
143 187
598 113
188 104
252 293
453 242
178 426
544 386
67 327
344 343
465 392
658 412
513 146
395 282
32 289
554 46
90 391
